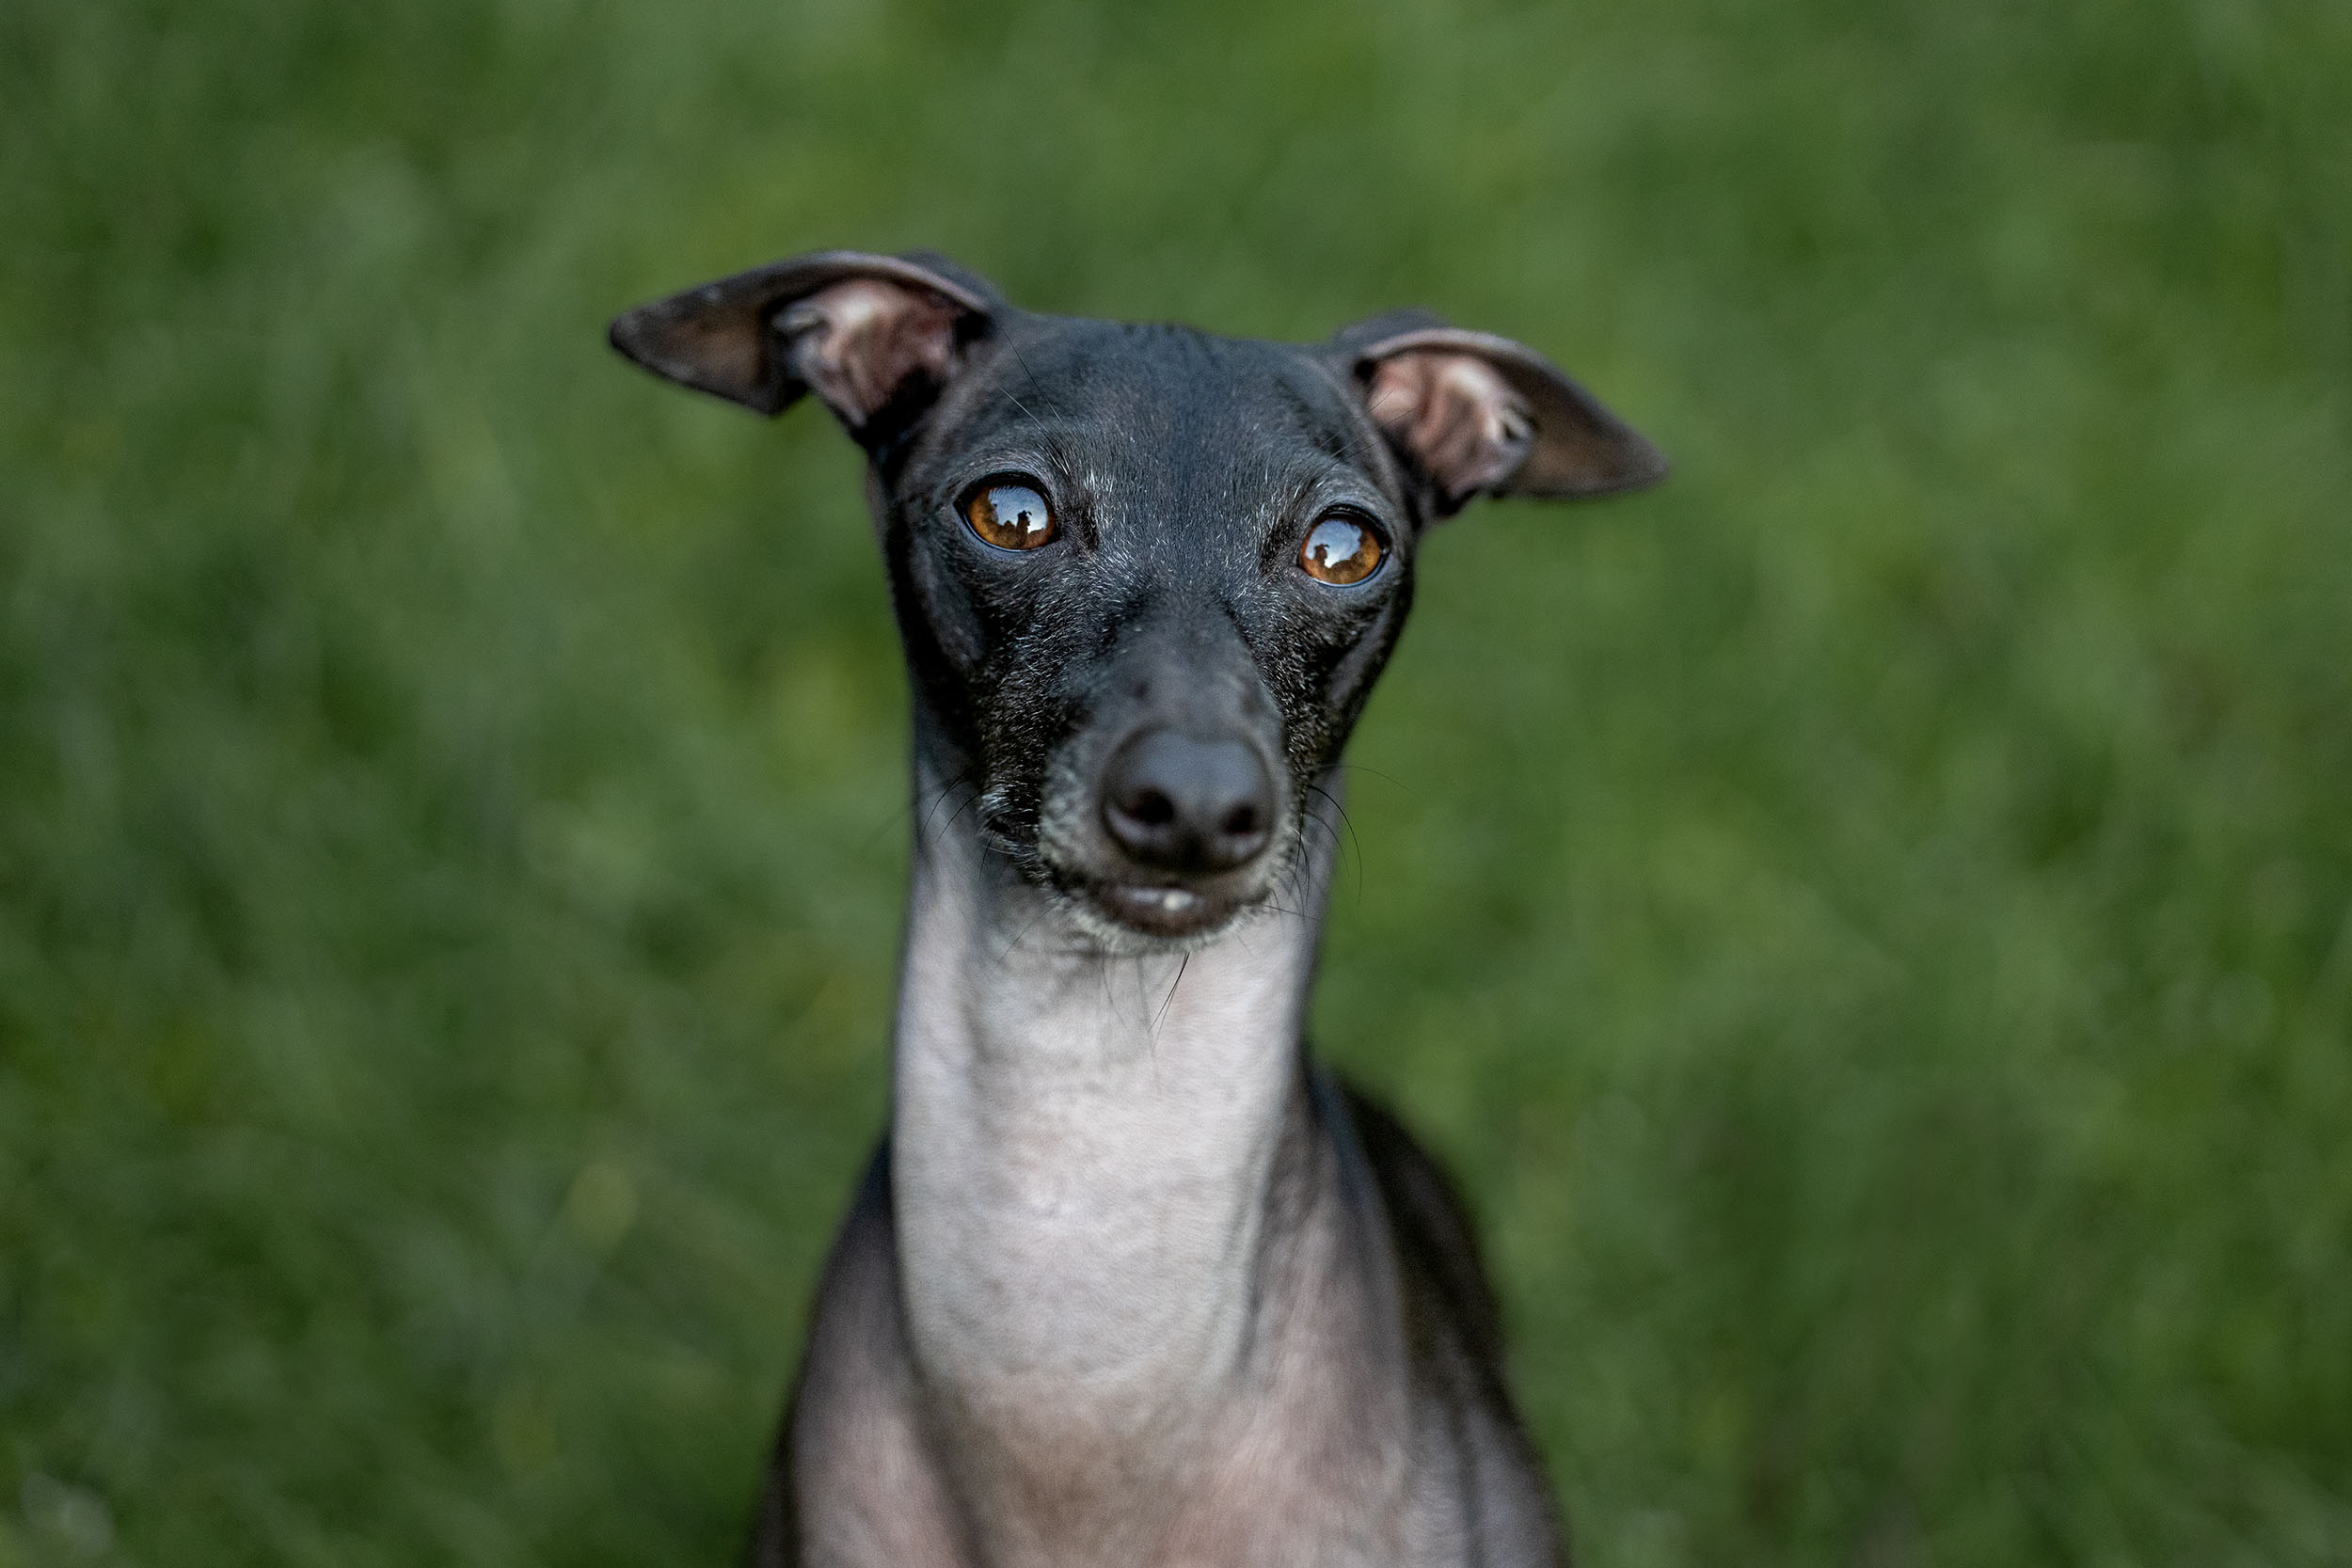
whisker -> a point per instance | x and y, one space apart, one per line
923 839
1344 820
1375 772
1035 384
1019 936
1181 964
1354 841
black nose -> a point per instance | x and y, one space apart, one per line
1176 804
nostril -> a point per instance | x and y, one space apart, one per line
1151 807
1242 821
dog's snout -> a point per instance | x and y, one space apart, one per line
1178 803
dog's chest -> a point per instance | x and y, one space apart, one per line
1307 1456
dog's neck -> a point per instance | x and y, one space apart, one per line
1086 1149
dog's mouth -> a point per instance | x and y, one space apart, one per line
1120 904
1167 911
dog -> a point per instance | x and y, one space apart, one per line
1129 1280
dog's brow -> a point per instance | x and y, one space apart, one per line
1302 490
1358 432
1069 445
1036 385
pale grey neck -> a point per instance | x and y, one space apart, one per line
1083 1145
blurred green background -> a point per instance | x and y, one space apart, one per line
1870 921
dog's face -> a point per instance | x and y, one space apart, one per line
1146 576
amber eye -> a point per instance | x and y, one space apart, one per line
1010 514
1341 549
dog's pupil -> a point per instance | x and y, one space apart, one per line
1011 516
1340 550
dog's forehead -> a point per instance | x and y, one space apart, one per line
1128 395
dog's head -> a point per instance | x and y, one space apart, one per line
1146 576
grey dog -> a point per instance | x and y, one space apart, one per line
1132 1281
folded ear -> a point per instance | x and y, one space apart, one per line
876 337
1474 414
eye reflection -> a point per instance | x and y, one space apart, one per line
1341 551
1009 515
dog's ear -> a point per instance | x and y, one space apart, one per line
875 337
1472 414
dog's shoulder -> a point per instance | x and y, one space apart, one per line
1437 1244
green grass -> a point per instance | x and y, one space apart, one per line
1870 921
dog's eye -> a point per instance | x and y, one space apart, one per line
1341 549
1010 514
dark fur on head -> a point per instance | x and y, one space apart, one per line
1185 470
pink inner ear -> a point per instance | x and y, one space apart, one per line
1453 412
856 343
